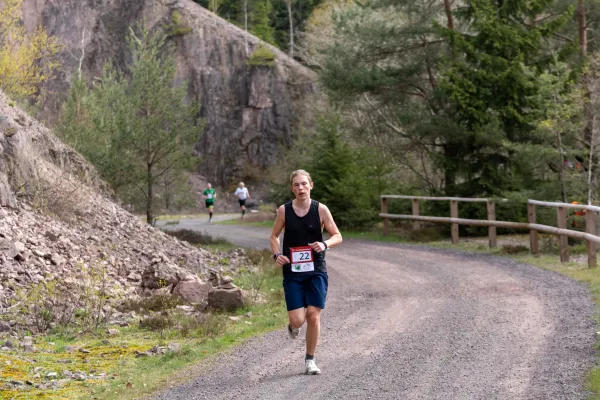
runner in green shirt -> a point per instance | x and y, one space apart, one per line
209 194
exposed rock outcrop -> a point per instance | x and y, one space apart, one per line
249 111
27 150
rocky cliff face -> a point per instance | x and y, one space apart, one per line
249 111
32 158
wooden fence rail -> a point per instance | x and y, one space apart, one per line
591 213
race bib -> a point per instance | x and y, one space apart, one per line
302 259
209 196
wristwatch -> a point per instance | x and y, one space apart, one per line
325 243
275 256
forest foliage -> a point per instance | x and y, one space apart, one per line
477 98
26 59
136 127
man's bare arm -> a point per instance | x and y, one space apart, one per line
274 239
331 227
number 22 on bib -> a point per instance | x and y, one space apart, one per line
302 259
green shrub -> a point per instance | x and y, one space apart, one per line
203 325
257 257
176 27
158 322
428 234
267 208
514 249
152 303
82 303
261 56
195 237
224 261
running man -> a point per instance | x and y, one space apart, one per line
209 195
242 193
303 260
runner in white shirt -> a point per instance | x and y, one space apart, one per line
242 193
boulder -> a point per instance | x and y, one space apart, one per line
214 277
193 291
19 247
226 283
8 248
53 237
160 275
174 347
134 276
4 327
225 299
163 291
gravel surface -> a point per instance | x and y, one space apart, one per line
409 322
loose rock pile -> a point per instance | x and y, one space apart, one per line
58 226
140 260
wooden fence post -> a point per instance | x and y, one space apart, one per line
454 214
384 210
416 225
590 227
491 216
534 245
563 240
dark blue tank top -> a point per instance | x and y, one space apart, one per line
300 231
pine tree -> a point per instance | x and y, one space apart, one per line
259 20
341 176
490 83
137 129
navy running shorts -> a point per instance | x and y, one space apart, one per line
305 290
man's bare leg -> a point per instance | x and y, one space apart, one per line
313 329
297 318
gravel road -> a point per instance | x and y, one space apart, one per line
408 322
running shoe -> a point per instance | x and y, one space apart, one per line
311 368
293 332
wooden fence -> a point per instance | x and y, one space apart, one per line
591 212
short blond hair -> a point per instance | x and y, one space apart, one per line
300 172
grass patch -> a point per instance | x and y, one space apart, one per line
261 56
373 236
262 224
219 248
196 237
128 377
175 217
260 220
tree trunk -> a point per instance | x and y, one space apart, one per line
449 14
591 169
167 194
581 20
561 175
246 27
291 18
588 131
449 172
150 195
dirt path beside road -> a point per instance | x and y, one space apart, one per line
408 322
